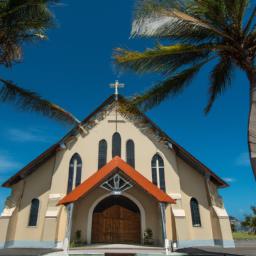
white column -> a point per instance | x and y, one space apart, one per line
163 218
70 208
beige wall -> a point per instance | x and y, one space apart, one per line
193 185
87 147
36 185
51 178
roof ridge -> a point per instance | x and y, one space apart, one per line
184 154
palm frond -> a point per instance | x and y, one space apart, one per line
220 80
170 87
22 21
30 101
250 21
161 58
174 23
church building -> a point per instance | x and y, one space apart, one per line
116 178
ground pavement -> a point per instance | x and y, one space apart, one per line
243 248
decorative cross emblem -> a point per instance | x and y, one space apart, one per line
116 184
116 85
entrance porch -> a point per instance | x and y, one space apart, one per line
104 218
117 205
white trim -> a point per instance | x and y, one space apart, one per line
55 196
176 196
220 212
90 213
178 212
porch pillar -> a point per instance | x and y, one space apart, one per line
163 218
69 208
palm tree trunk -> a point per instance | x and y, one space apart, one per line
252 119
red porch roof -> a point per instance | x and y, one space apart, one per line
105 171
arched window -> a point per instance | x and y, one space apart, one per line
102 157
157 166
116 144
75 172
33 215
195 214
130 158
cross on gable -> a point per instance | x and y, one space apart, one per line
116 85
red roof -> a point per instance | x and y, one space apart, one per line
99 176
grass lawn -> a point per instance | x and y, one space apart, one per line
243 236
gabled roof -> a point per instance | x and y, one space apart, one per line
116 164
180 151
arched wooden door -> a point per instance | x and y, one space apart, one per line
116 219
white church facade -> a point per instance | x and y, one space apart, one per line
115 178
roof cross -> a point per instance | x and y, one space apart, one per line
116 85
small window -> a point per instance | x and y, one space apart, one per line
157 168
102 156
195 214
33 215
75 172
130 153
116 144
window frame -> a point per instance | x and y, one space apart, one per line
100 153
195 213
37 216
158 171
130 159
74 181
119 145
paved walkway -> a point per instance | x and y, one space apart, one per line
244 248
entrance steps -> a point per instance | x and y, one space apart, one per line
116 250
120 248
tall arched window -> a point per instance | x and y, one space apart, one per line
102 157
116 144
195 214
158 176
33 215
130 155
75 172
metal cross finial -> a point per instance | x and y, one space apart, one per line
116 85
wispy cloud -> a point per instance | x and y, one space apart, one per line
8 164
229 179
243 159
31 135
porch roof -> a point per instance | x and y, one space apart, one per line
105 172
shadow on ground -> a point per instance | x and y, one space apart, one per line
25 252
219 251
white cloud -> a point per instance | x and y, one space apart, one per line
243 159
229 179
31 135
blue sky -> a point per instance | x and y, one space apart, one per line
74 67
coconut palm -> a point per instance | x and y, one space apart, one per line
194 33
24 21
250 221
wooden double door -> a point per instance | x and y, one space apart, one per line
116 224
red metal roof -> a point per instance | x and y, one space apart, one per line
99 176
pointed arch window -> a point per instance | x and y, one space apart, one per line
195 214
102 157
116 144
158 175
75 172
33 215
130 155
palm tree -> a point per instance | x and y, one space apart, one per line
250 220
194 32
24 21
